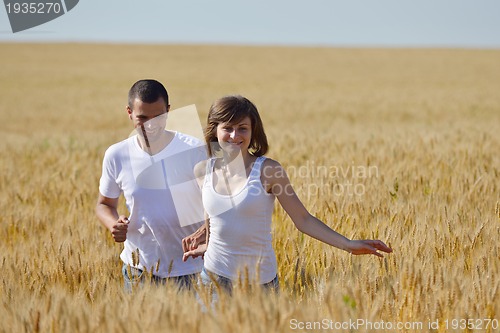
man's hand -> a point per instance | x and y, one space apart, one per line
119 229
197 238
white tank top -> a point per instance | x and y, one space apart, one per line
240 229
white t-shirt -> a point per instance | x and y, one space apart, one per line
162 197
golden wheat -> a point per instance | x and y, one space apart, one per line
426 121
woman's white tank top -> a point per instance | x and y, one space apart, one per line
240 229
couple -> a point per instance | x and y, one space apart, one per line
183 205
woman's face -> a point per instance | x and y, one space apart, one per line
235 137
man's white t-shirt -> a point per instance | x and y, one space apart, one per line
163 198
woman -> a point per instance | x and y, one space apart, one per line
239 185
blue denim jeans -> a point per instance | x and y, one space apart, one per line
139 277
208 279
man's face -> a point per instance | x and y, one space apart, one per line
149 118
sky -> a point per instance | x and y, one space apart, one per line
349 23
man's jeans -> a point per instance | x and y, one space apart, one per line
139 277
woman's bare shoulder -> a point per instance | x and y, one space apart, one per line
271 165
200 169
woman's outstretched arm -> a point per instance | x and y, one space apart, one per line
275 180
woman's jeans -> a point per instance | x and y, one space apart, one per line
208 279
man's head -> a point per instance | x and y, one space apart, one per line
147 108
147 91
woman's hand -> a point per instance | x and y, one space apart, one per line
199 251
367 246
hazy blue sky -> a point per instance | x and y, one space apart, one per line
441 23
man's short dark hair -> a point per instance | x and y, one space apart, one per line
148 91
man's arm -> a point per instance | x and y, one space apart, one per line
107 213
198 237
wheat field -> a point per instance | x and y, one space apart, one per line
397 144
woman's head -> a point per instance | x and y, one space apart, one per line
231 110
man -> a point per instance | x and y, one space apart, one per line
154 171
